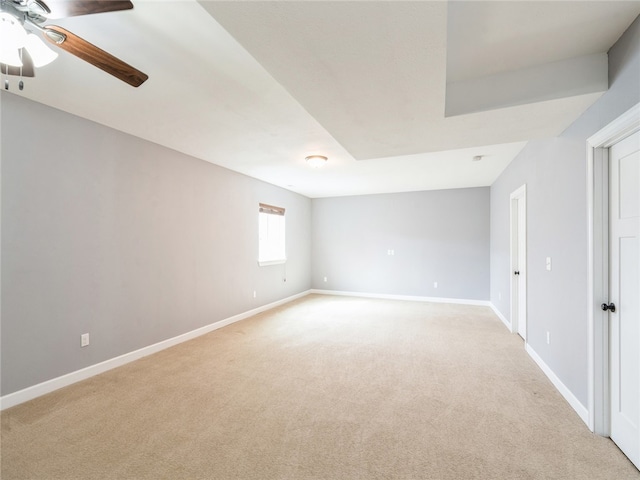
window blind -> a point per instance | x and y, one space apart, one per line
270 209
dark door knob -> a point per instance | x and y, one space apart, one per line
611 307
516 272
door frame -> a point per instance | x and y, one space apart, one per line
598 264
518 256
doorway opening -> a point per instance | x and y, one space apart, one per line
518 253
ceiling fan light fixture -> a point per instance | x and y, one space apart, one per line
40 53
316 161
477 158
12 38
10 57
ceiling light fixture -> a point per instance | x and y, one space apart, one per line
477 158
316 161
40 53
14 37
20 49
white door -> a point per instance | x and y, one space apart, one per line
624 295
519 262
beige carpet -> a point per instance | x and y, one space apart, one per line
321 388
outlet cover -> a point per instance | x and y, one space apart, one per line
84 340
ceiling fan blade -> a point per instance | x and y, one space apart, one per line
27 67
88 52
74 8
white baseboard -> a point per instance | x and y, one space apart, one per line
410 298
580 409
506 322
49 386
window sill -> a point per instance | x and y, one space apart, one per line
272 262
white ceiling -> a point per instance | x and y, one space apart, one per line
257 86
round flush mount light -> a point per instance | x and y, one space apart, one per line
477 158
316 161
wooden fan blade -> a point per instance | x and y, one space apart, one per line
95 56
74 8
27 67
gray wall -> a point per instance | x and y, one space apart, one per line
134 243
437 236
555 173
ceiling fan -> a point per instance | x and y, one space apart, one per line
21 50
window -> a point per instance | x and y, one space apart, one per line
271 235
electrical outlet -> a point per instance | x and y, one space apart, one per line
549 263
499 295
435 284
547 337
84 340
255 294
325 279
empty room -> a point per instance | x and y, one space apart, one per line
319 239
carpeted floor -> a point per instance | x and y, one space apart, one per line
321 388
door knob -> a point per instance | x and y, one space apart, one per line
516 272
611 307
